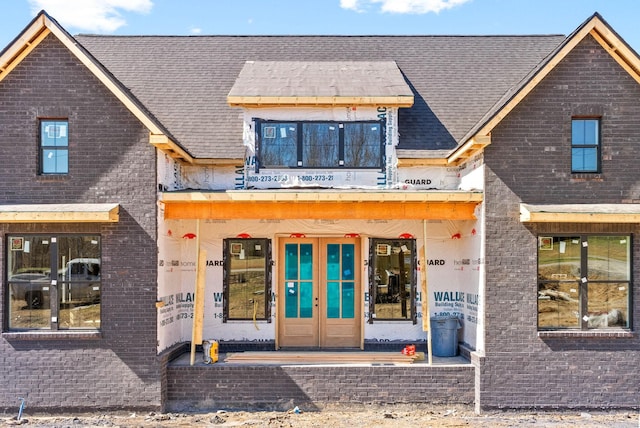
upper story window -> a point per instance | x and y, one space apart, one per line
585 145
54 146
392 280
584 281
320 144
53 282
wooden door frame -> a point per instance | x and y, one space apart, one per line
320 242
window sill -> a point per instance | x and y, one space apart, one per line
52 335
579 334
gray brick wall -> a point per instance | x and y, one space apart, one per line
110 161
274 387
529 160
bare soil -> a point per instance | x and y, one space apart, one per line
338 416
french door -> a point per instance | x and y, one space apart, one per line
319 295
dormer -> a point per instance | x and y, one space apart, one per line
318 123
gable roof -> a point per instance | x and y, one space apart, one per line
43 26
314 83
184 80
596 27
462 86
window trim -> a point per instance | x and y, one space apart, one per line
226 274
300 146
42 148
372 282
583 287
597 146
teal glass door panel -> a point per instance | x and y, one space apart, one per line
306 262
298 301
306 299
340 274
333 262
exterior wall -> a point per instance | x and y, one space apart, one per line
529 161
192 388
110 161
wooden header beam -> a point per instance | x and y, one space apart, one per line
580 213
60 213
321 210
252 101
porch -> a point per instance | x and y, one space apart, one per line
288 379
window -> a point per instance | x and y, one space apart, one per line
247 279
54 146
320 144
53 282
583 281
585 145
392 279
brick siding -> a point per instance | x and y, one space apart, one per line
529 161
110 160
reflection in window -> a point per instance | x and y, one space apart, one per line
393 279
314 144
278 148
247 279
320 144
70 295
585 151
583 281
54 146
362 144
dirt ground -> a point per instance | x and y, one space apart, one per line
338 416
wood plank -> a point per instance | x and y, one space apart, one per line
292 357
321 210
376 101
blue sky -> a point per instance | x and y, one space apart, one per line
453 17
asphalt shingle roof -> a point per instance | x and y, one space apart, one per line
184 80
320 79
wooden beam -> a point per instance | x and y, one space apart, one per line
613 50
409 162
535 80
321 210
581 213
286 195
103 77
470 148
20 54
251 101
60 213
164 143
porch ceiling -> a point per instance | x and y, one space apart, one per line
353 204
580 213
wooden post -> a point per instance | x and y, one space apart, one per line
198 299
424 289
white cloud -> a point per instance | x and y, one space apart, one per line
349 4
101 16
195 30
403 6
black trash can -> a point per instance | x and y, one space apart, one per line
444 336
